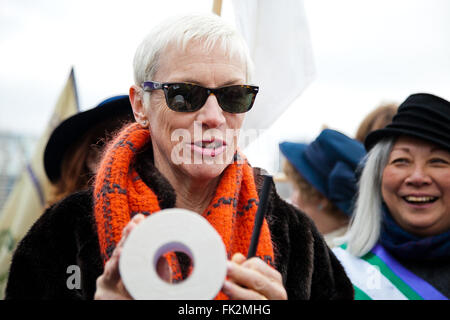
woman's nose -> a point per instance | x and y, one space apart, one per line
418 177
211 114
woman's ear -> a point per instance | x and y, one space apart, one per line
137 103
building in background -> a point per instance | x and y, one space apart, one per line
15 150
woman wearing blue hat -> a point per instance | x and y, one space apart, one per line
323 177
398 244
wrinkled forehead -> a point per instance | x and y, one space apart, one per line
178 54
411 143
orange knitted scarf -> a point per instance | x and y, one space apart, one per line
120 193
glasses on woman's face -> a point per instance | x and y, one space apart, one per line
187 97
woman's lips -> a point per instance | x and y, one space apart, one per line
209 148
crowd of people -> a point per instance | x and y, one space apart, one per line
369 217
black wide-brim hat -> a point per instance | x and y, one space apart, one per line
421 115
70 130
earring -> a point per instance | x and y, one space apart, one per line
144 123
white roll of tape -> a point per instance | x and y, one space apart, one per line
173 230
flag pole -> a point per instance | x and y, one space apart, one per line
75 89
217 7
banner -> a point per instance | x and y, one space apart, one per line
278 38
28 198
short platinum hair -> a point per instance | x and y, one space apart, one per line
210 29
365 224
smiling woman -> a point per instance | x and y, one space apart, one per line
401 223
416 186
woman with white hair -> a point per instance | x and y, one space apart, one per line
398 245
191 92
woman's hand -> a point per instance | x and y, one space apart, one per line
253 279
109 284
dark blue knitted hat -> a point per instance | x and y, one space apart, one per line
329 164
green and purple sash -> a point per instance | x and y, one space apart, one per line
379 276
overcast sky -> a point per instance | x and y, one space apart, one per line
365 52
372 51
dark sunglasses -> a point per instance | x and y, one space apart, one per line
187 97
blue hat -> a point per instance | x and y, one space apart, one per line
329 164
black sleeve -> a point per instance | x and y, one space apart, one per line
329 280
59 257
309 268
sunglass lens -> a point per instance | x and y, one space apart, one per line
236 99
176 97
184 97
197 96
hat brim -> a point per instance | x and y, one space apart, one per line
294 153
375 136
71 129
